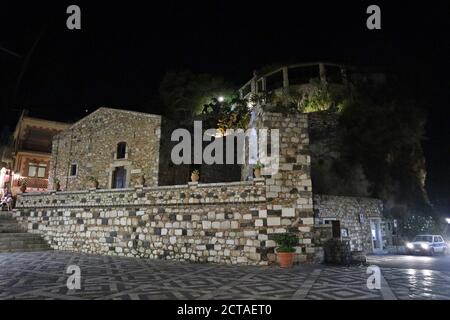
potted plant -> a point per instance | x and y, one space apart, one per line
195 175
57 184
93 182
23 185
286 249
257 169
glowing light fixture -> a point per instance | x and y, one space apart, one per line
448 220
220 99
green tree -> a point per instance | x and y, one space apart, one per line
184 93
231 113
383 130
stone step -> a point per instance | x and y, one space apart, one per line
5 214
12 242
7 218
43 248
10 227
19 235
21 243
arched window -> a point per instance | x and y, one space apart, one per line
121 150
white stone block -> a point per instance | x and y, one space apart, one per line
206 224
249 233
270 244
216 225
259 223
304 229
273 221
288 212
211 215
225 225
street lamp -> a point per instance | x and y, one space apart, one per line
220 99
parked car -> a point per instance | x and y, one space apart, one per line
427 244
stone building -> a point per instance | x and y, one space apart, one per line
226 222
28 158
116 147
216 220
223 222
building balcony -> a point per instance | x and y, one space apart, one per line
32 183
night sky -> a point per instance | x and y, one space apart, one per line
124 48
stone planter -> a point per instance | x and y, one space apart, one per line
93 184
285 259
141 181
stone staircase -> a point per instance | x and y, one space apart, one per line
14 239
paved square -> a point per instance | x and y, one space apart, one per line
42 275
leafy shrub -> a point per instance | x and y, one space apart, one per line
286 242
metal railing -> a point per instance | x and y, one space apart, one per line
293 74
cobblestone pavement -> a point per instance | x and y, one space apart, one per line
42 275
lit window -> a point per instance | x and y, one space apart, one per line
37 170
32 169
41 170
73 170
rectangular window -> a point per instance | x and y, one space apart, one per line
121 150
32 169
328 220
41 170
73 170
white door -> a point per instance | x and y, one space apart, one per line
377 238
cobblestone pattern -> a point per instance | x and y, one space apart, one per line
43 276
348 210
91 144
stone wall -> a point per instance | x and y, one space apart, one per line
91 144
217 222
290 189
225 223
354 214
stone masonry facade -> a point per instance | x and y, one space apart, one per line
354 215
225 222
91 146
220 223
